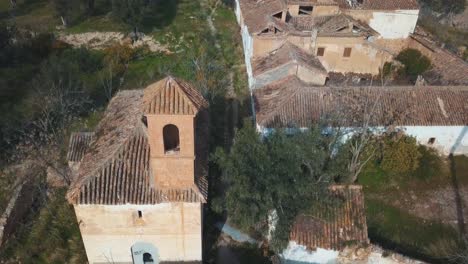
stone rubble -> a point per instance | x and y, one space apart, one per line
101 40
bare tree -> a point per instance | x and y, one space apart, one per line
57 105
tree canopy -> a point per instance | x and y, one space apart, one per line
283 173
414 63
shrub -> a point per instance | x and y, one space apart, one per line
446 6
414 63
430 164
400 154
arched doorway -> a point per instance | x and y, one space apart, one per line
144 253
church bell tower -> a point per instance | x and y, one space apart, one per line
170 108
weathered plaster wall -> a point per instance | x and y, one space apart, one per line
393 24
311 77
298 254
364 58
172 170
109 231
274 74
448 139
247 43
263 45
305 74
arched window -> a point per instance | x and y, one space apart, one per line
147 258
171 139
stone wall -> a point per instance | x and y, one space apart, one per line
17 208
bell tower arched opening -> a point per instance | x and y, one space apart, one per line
171 139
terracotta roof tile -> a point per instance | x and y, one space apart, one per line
116 169
172 96
287 53
290 102
334 227
258 14
312 2
336 25
451 68
79 143
380 4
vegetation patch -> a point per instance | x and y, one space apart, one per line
52 236
414 63
396 229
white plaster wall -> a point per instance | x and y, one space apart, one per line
449 139
237 11
247 42
395 24
109 231
298 254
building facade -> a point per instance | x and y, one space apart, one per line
356 36
434 115
140 183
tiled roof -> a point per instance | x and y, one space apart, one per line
336 25
312 2
258 14
172 96
79 143
334 227
116 169
285 54
290 102
451 68
380 4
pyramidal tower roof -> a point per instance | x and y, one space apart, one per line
171 96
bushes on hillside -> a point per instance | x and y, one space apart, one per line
414 63
446 6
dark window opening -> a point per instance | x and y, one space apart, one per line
320 52
140 214
342 29
278 15
431 141
271 30
305 10
147 258
171 139
144 120
347 52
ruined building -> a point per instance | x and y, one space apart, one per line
356 36
140 179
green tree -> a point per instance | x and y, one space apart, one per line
283 173
414 63
132 12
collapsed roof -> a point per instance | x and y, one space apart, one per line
287 53
334 227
